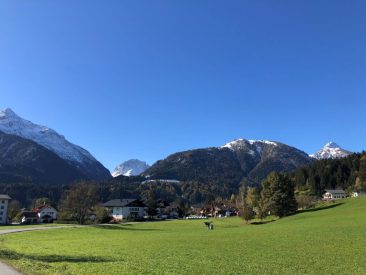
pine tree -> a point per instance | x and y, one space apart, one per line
279 191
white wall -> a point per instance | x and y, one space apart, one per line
48 211
121 213
4 210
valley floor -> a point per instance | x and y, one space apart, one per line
328 240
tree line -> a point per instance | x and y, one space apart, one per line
347 173
308 183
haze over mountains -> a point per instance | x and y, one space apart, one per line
31 152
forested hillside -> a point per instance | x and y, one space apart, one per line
347 173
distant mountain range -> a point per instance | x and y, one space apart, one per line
132 167
46 147
35 153
249 159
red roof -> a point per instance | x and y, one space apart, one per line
39 208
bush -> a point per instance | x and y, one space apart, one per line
102 215
306 201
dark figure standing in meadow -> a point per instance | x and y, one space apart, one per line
209 225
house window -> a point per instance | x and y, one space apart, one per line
1 218
2 207
2 201
1 213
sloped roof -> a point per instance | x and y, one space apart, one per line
4 197
335 191
124 203
39 208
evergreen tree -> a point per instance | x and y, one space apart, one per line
362 173
279 190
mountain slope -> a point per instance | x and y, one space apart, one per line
23 160
238 159
10 123
331 151
132 167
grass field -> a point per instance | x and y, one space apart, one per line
331 240
21 226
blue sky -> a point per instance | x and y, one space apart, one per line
143 79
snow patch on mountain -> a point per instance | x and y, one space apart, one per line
235 144
331 151
262 142
243 143
132 167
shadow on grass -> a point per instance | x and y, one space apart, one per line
325 207
262 222
124 227
12 255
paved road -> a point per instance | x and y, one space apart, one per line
7 270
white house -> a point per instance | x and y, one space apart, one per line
126 208
4 202
334 194
46 213
358 194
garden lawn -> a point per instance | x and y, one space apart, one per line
331 240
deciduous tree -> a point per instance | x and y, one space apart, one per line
79 200
13 209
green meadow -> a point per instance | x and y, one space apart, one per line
20 226
330 239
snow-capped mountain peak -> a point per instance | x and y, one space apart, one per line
331 150
132 167
7 112
331 145
11 123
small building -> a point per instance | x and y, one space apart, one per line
4 203
334 194
126 209
46 213
29 217
358 194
